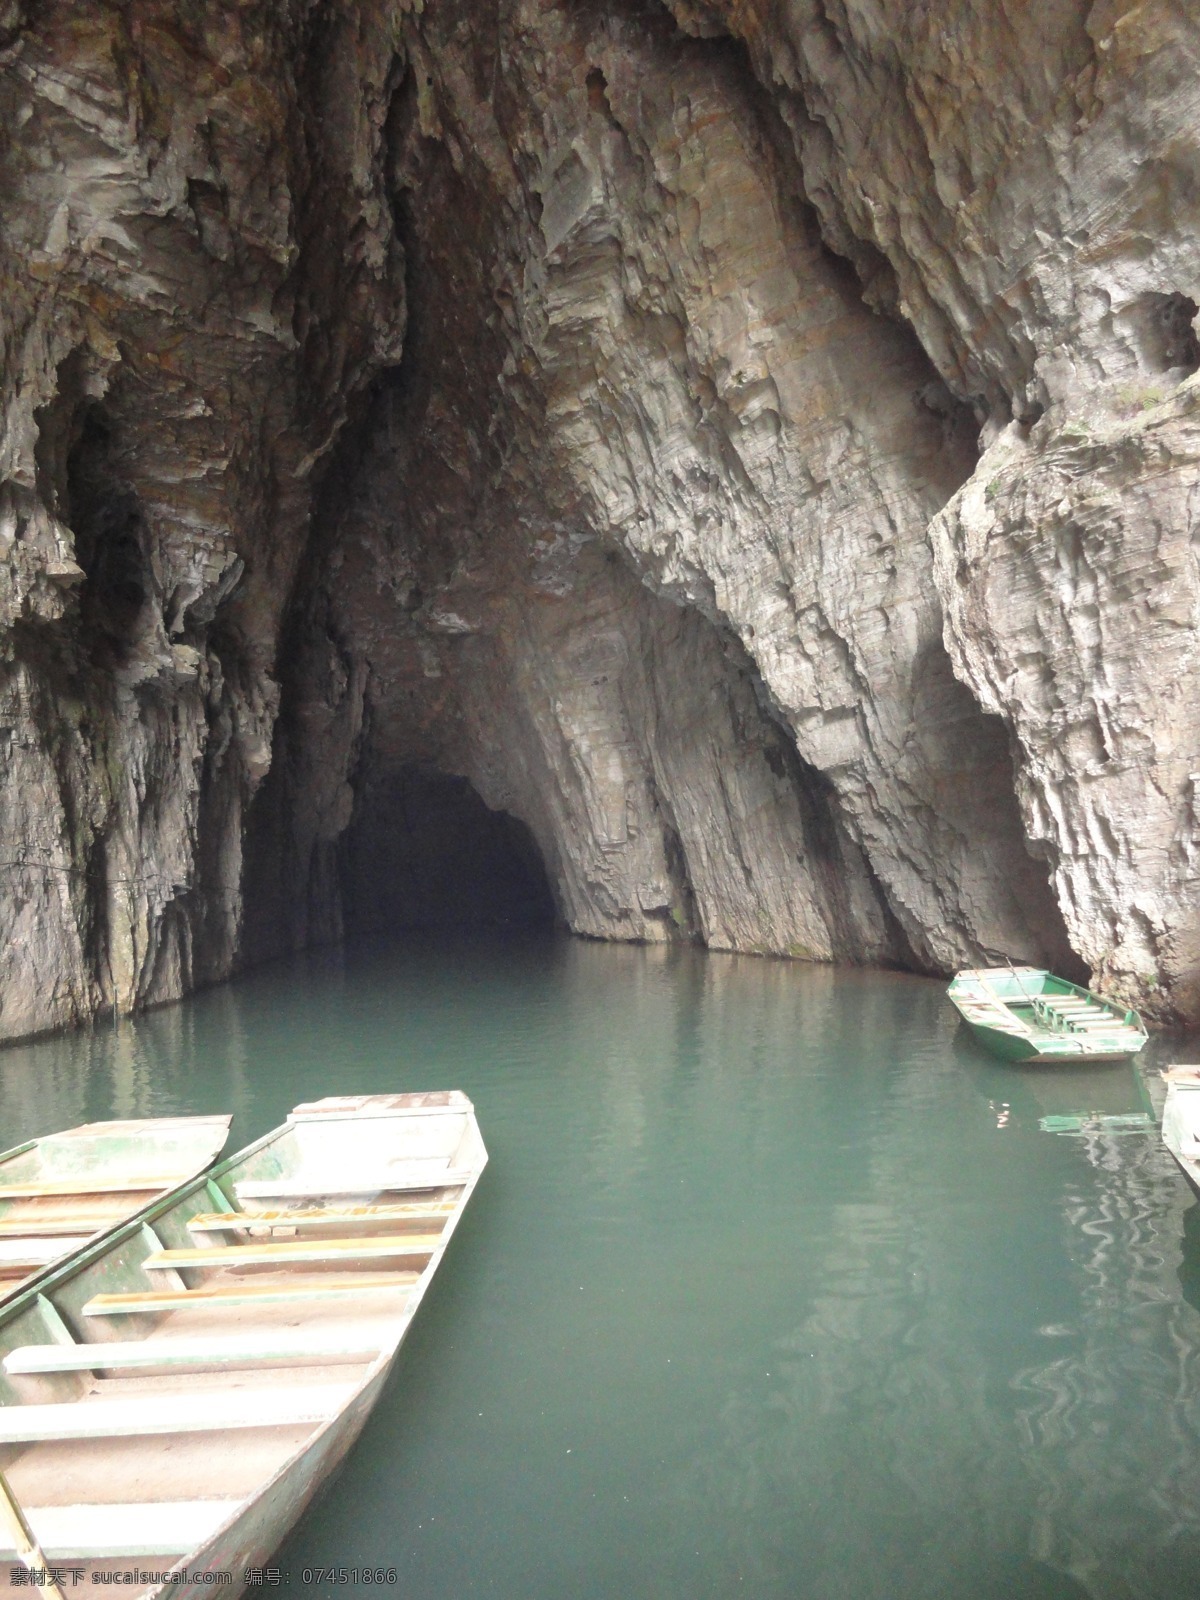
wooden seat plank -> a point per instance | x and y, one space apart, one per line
114 1305
33 1227
271 1253
398 1181
31 1253
278 1349
206 1411
321 1216
71 1186
99 1532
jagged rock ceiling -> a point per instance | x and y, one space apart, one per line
752 443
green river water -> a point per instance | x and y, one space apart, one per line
774 1286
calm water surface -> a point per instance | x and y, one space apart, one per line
773 1287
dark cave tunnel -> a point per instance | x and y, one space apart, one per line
424 851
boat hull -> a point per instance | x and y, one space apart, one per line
253 1536
1181 1121
1025 1052
265 1353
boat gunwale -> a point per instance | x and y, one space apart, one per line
20 1150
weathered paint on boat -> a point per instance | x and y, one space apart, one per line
1025 1014
254 1536
59 1192
1181 1119
198 1467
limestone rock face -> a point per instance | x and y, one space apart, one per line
753 443
173 361
1019 184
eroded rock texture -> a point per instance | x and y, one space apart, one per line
180 343
750 444
1026 181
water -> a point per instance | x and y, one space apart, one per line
774 1287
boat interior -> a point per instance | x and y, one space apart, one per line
57 1192
1036 1000
157 1384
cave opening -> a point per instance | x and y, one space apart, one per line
424 851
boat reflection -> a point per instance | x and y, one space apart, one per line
1189 1265
1110 1429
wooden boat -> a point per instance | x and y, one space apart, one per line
60 1191
173 1395
1026 1014
1181 1119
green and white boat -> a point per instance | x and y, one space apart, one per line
64 1189
172 1396
1027 1014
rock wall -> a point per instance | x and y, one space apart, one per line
178 346
1019 184
751 443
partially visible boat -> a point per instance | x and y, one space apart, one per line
1181 1119
62 1190
1028 1014
173 1396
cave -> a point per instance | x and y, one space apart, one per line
518 476
424 852
594 559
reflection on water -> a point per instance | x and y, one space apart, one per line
1189 1264
774 1285
1110 1427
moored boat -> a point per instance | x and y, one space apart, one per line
1027 1014
173 1396
1181 1119
60 1191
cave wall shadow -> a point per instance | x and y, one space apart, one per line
424 851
